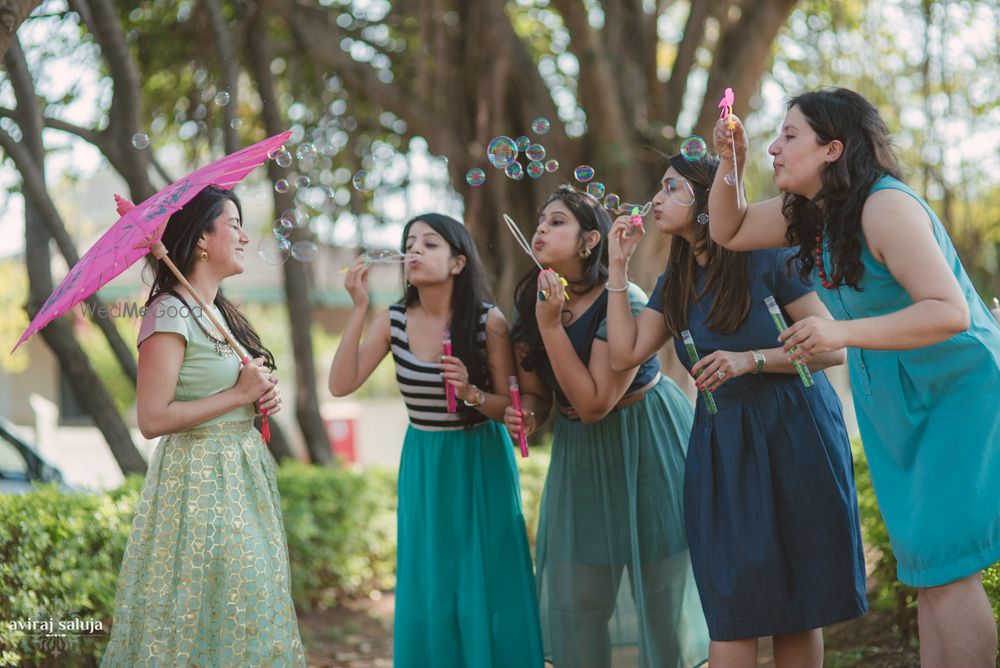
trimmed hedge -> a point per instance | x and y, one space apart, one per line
60 554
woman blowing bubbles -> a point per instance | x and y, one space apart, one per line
613 563
923 349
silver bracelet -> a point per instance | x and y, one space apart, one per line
607 286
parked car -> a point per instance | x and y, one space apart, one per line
21 465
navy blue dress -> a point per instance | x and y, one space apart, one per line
770 505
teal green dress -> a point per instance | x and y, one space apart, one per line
929 423
465 590
205 578
615 582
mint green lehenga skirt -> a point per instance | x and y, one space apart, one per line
205 577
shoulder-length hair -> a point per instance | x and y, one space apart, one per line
841 114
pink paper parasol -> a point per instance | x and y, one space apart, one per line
138 232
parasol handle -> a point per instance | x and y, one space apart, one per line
159 251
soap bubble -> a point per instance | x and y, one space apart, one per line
475 177
305 251
274 250
694 148
140 140
501 152
583 173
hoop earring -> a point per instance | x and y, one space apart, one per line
584 252
204 255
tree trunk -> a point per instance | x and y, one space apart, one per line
296 282
12 15
87 387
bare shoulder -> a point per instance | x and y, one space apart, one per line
892 217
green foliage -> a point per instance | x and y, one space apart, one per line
59 560
13 319
341 529
60 553
103 359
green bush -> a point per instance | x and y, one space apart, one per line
341 529
60 554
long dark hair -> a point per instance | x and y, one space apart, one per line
470 291
726 269
180 237
841 114
591 216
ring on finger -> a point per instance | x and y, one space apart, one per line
720 374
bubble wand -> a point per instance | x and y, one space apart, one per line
779 322
449 389
384 256
726 104
515 400
693 356
526 247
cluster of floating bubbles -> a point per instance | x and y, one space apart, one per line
140 140
693 148
475 177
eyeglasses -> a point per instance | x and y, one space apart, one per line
680 191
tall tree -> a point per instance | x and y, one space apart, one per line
29 155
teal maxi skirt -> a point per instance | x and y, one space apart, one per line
614 574
465 591
205 579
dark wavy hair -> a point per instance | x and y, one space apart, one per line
470 291
181 235
591 215
726 269
841 114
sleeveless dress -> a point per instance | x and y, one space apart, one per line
205 578
465 591
929 423
769 497
614 573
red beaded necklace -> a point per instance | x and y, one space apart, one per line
821 268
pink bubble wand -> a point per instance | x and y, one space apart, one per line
726 104
449 389
515 400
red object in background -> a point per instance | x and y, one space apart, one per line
340 419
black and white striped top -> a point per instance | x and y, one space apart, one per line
422 384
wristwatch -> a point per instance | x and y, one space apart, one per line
479 400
